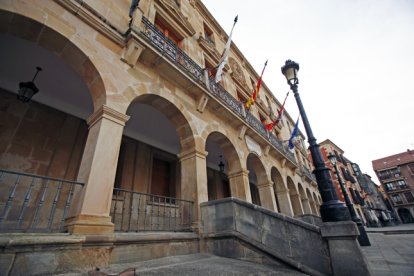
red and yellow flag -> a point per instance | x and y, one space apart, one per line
270 126
252 99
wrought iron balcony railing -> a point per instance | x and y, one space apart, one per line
175 54
178 57
31 203
308 173
136 212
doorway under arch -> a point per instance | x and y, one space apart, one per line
257 177
405 215
294 198
222 158
281 193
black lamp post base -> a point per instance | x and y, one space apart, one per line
363 239
334 210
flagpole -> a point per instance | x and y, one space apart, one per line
224 56
252 99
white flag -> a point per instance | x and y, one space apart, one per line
225 56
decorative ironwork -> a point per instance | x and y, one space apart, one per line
136 212
32 203
175 54
256 124
308 173
226 97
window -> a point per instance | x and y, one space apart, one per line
269 105
253 84
402 184
208 34
409 197
262 118
168 31
353 195
212 70
389 186
388 174
356 169
397 199
241 97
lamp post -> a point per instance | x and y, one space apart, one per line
28 89
221 164
362 237
332 209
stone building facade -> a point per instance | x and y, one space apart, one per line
128 112
376 208
396 175
352 186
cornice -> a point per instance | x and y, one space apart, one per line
93 19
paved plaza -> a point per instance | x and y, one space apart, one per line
391 254
392 250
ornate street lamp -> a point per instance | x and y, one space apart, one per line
332 209
221 164
28 89
363 237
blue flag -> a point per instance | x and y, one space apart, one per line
294 134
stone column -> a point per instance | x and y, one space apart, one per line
90 210
296 204
284 203
346 255
306 206
267 198
239 185
194 181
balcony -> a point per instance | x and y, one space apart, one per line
308 174
176 65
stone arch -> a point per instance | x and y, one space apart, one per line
405 215
231 156
304 199
176 116
281 193
294 198
257 176
51 38
226 183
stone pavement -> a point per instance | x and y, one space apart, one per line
391 254
195 264
392 250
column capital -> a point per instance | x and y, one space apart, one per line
242 172
191 153
108 113
265 185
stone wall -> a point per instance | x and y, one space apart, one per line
25 254
231 224
38 139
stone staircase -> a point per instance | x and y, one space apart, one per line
195 264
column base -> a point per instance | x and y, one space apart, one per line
334 210
89 224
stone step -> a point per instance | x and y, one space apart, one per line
195 264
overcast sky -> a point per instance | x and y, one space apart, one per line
356 62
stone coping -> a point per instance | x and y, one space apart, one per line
283 217
12 240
